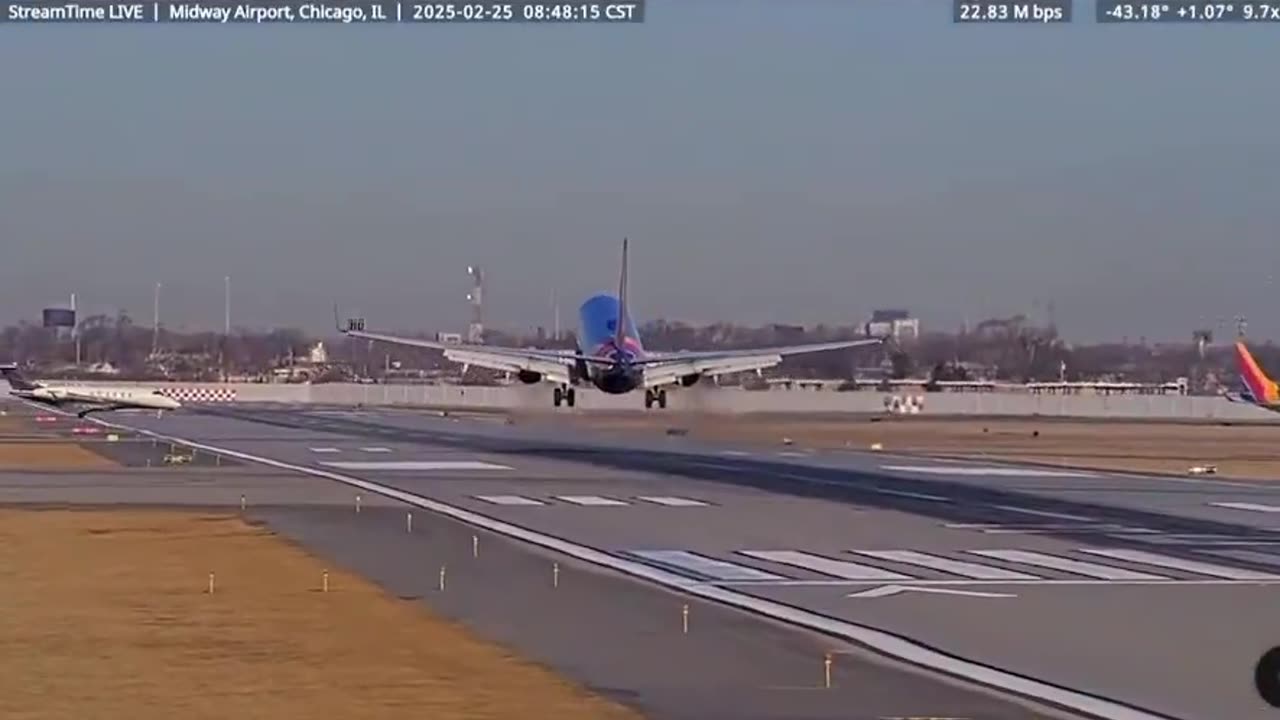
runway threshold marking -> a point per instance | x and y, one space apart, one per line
882 641
513 500
591 500
826 566
672 501
704 566
1142 557
947 565
1077 567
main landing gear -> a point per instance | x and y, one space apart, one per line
564 395
655 396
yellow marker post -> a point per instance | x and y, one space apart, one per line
555 575
442 569
684 619
475 546
210 582
826 671
325 581
408 522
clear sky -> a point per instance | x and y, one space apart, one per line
771 160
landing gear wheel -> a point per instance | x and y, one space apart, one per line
662 399
570 396
648 399
557 396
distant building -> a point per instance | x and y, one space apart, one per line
896 323
451 338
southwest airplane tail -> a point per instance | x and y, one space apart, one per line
1258 389
610 355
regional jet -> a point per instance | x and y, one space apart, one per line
1258 389
95 398
610 355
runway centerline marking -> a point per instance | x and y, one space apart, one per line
1254 507
979 471
421 465
885 642
324 449
376 449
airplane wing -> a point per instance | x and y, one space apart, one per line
554 365
668 368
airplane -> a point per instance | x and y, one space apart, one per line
1258 389
610 355
99 398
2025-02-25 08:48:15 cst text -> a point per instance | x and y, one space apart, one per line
524 12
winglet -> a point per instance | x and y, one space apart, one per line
620 331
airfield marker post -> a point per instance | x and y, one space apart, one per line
442 571
408 522
555 575
325 581
475 546
684 619
243 503
210 582
357 503
826 671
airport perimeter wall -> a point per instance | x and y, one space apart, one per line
733 400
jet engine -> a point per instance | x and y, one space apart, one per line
690 380
529 377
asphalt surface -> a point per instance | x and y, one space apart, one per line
619 637
1150 591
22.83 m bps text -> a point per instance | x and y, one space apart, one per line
300 11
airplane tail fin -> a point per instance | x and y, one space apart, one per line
620 331
15 378
1260 388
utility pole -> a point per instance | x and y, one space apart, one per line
155 324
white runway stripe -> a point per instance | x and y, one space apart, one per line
1254 507
376 449
1191 566
914 495
1053 562
947 565
1042 513
508 500
324 450
826 566
672 501
980 471
591 500
417 465
705 566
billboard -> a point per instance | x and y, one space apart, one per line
59 318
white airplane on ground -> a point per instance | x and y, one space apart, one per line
98 398
610 355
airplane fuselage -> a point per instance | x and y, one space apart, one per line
106 395
597 336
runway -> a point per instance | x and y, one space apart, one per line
1143 592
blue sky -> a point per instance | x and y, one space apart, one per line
773 161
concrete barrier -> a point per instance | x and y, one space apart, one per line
735 400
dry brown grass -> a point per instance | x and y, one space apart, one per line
1241 451
107 616
50 456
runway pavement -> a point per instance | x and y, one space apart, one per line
1150 592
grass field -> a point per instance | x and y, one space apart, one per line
107 616
1241 451
49 456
